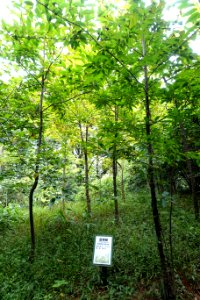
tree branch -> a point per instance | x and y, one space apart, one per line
93 38
65 101
173 52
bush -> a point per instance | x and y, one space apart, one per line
9 216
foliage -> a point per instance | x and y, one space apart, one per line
10 216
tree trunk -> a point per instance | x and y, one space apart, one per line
193 188
64 178
36 175
1 154
31 219
122 183
172 192
87 190
98 175
114 168
191 174
86 165
168 288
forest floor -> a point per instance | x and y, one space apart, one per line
63 267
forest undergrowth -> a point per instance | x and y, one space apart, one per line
63 267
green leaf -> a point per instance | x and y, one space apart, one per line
28 3
194 17
59 283
185 4
190 12
17 5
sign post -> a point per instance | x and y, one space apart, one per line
102 255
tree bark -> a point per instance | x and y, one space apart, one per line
64 178
31 219
114 169
122 182
168 288
191 174
191 178
86 165
87 190
36 173
172 191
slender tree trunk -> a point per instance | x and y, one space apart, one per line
114 168
122 185
122 182
172 191
193 188
64 179
168 288
6 197
98 175
36 175
32 228
1 154
87 190
191 176
86 165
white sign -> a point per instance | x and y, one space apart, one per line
103 250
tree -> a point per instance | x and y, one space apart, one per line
185 119
34 50
84 116
137 59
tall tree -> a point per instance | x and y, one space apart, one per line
34 50
141 65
